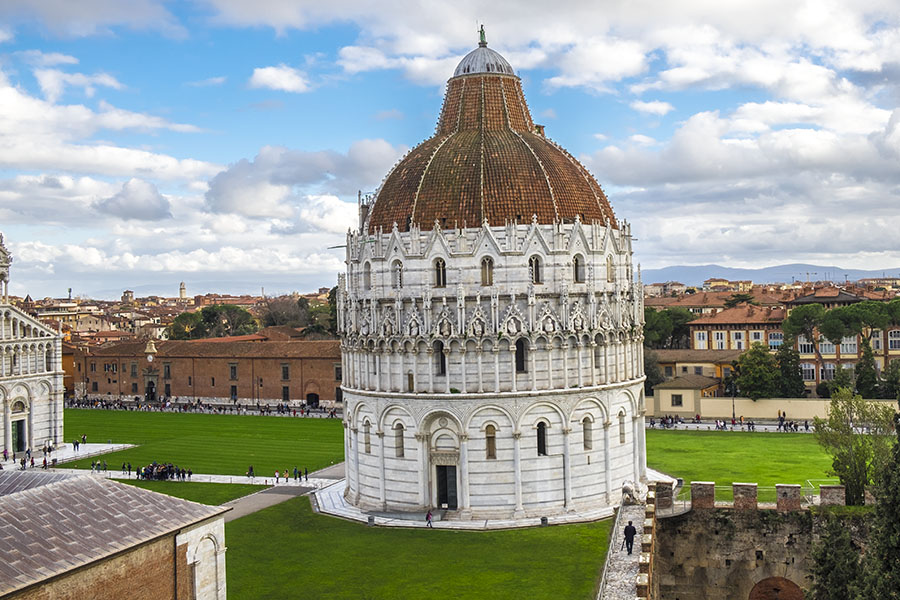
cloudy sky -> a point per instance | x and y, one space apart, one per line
222 142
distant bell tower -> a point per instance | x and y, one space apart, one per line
5 261
182 291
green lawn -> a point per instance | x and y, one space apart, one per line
287 551
221 444
202 492
728 457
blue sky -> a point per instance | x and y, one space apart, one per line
221 142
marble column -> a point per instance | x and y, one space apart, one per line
422 439
606 462
355 432
431 367
517 468
565 351
533 367
462 362
496 351
578 347
447 363
465 508
382 492
479 353
567 469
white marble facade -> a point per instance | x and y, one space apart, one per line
31 375
497 370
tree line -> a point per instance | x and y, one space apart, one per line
226 320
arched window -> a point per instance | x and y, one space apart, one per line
410 382
367 437
440 361
487 271
621 428
521 351
542 439
578 268
398 439
534 266
490 436
588 434
440 273
610 269
367 276
397 275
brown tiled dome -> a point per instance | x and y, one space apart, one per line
487 161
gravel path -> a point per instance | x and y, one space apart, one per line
623 568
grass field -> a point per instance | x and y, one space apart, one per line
221 444
728 457
287 551
202 492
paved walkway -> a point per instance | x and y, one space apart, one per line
330 500
711 426
65 453
241 507
622 569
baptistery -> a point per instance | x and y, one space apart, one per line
491 322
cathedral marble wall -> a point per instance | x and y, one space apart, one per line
31 382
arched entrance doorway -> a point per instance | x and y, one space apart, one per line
19 427
312 400
776 588
444 458
150 392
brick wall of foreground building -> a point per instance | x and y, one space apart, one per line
153 571
266 371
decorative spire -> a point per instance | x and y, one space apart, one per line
482 42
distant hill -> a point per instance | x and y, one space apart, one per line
697 274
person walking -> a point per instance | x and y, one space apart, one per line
428 519
629 533
276 476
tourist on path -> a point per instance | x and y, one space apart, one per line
629 532
428 518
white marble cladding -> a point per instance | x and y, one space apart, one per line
594 441
31 382
206 555
445 333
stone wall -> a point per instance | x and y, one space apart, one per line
152 571
741 550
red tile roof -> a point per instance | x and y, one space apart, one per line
742 314
487 161
330 349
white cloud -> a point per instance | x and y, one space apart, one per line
138 200
329 213
38 135
5 35
92 17
653 107
282 77
384 115
46 59
548 114
268 186
210 81
53 82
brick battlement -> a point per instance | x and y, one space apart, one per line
789 497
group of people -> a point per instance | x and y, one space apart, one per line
159 472
198 406
667 421
299 474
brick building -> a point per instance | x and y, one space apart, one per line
738 328
77 536
217 370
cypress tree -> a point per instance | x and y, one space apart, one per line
866 376
790 380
